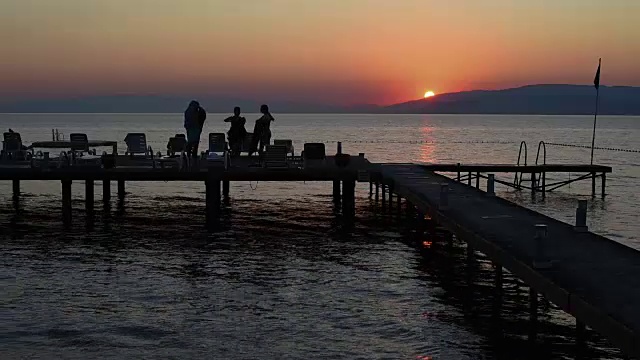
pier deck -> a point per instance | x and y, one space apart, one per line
592 278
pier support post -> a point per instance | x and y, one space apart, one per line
121 190
491 184
16 189
581 338
581 216
348 197
604 184
391 189
469 179
377 198
212 186
544 185
477 180
533 315
88 196
458 177
225 189
106 191
66 201
593 184
370 189
399 205
384 197
336 191
533 184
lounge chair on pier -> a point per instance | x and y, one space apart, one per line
80 152
275 157
218 152
175 153
137 145
314 155
286 143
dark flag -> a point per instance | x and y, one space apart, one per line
596 81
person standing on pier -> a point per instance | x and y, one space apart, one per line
194 118
262 131
237 132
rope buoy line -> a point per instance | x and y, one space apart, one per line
460 142
597 148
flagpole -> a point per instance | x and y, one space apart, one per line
595 117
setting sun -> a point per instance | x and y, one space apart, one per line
429 94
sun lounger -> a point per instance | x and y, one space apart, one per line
218 152
275 157
314 155
137 145
287 143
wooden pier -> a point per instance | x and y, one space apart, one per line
589 276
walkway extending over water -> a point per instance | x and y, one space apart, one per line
592 278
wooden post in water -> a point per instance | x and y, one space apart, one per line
66 201
336 191
391 189
121 191
593 184
225 189
469 179
377 198
88 196
458 177
16 189
478 180
212 189
106 191
370 189
604 184
348 198
384 197
533 315
544 185
533 184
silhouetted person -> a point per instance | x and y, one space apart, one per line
237 132
194 118
262 131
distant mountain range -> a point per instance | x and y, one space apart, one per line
531 99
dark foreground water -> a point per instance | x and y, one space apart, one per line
285 277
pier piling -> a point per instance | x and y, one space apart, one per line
121 190
399 205
604 184
106 191
377 198
391 198
477 180
533 315
384 197
348 197
491 184
593 184
66 201
581 216
336 191
212 190
89 196
533 185
370 189
225 189
16 189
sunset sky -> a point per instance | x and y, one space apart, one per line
337 51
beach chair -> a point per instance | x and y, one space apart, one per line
313 155
137 145
286 143
218 152
275 157
80 152
175 153
12 148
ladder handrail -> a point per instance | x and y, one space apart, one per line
544 152
523 144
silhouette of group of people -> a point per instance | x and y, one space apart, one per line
195 116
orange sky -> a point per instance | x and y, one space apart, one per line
339 51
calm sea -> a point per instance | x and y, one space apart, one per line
285 277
